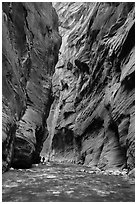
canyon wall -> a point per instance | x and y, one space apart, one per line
89 100
30 46
91 120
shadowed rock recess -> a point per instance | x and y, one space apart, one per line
30 49
88 98
91 120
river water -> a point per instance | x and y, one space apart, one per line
64 183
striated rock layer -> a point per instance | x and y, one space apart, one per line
30 49
92 117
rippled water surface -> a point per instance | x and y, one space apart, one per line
58 182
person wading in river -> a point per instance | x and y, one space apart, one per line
43 160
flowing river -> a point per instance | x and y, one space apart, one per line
64 183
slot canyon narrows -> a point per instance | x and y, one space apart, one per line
68 101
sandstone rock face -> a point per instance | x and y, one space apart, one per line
92 117
30 49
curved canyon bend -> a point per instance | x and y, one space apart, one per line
68 95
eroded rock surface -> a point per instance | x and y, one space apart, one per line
92 117
30 49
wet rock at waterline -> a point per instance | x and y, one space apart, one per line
31 43
91 120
